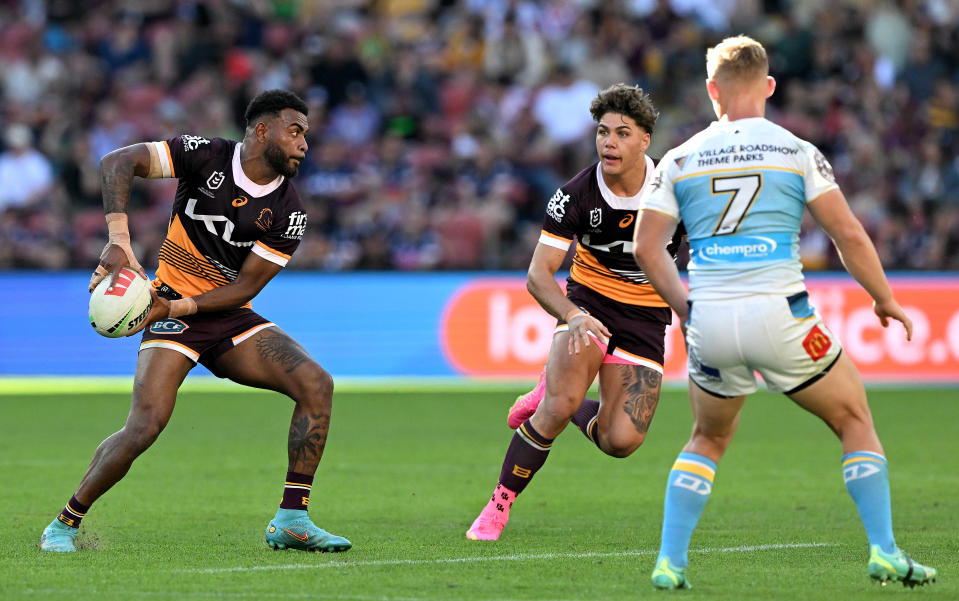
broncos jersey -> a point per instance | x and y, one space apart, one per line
220 215
585 208
740 188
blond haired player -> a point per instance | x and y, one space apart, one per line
740 187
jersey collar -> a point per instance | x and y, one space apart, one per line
623 203
249 186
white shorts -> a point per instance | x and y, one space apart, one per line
783 338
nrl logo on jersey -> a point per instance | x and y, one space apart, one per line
215 180
192 142
595 217
296 226
556 208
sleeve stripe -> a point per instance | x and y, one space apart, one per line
554 241
270 255
166 160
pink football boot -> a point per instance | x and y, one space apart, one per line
490 522
525 405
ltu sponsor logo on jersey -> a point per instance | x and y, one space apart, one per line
168 326
296 225
595 217
556 208
192 142
760 249
216 178
265 220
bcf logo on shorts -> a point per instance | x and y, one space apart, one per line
168 326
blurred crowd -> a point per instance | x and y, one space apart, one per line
440 128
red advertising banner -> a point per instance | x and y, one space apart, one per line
492 327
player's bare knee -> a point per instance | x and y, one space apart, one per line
314 386
621 447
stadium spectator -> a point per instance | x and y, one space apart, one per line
26 175
85 82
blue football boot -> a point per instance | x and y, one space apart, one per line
293 529
58 537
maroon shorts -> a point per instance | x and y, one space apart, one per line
638 333
203 337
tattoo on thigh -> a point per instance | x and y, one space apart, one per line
308 436
282 350
642 386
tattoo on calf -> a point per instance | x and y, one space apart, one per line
642 386
282 350
308 437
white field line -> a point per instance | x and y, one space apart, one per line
520 557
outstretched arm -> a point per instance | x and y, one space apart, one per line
653 233
858 255
541 283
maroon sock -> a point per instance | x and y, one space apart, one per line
527 453
73 513
296 493
585 419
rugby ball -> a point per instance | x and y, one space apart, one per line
118 312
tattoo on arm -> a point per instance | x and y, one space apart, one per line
642 386
308 437
116 186
282 350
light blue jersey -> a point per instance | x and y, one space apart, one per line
740 188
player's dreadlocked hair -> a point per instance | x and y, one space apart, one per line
271 102
631 101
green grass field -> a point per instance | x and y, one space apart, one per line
406 471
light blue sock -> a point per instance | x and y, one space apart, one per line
285 515
867 480
687 490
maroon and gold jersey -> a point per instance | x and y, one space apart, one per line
585 208
220 215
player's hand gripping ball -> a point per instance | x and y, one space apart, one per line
118 312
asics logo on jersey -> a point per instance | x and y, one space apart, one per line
239 201
626 221
210 220
556 208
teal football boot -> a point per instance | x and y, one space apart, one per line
58 538
666 576
293 529
898 567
